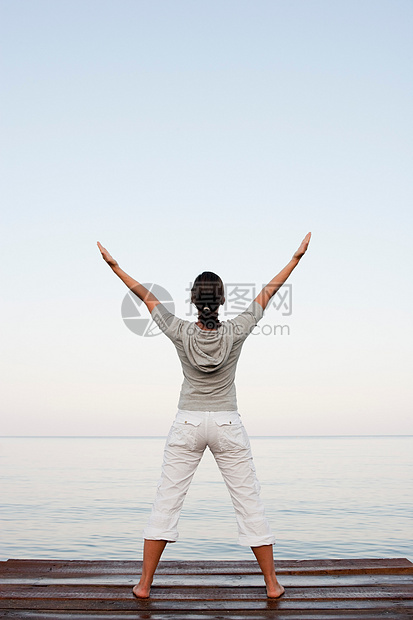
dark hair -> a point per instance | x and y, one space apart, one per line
207 294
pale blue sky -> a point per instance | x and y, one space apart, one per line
191 136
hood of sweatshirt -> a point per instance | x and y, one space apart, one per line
207 350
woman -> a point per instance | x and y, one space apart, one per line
207 416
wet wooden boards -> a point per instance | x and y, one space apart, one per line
368 589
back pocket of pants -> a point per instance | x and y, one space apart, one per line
184 431
231 431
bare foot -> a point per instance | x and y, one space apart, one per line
274 588
141 590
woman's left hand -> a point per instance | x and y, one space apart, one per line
106 256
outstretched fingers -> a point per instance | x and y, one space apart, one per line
106 256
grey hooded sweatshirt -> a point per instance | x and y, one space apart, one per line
208 357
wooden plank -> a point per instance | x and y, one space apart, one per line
178 606
263 615
15 591
253 615
225 580
89 567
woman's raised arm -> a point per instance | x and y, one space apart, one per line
272 287
140 291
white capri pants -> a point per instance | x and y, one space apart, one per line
224 433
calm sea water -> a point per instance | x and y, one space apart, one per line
89 498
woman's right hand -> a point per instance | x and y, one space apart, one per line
303 247
106 256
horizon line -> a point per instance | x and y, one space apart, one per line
164 436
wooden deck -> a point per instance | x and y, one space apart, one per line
195 590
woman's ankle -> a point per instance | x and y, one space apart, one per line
145 580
